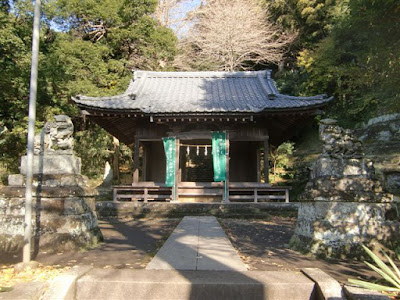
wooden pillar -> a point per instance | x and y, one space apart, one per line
144 162
177 170
116 158
136 161
226 198
258 163
266 161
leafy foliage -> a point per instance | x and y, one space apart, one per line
390 274
313 19
357 61
100 43
94 146
280 156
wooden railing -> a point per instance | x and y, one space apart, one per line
142 191
238 191
256 192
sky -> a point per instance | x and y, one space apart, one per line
183 9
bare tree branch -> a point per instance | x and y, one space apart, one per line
231 33
174 14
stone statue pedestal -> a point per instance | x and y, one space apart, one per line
53 163
343 204
64 211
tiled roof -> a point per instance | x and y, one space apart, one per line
200 92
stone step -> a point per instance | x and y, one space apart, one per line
172 284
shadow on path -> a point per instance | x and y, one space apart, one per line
127 244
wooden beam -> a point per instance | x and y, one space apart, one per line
136 161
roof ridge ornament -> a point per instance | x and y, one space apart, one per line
265 86
136 85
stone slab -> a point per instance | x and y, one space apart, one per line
327 287
53 164
16 180
197 243
355 293
173 284
63 287
25 291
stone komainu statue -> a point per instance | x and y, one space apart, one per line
339 142
56 136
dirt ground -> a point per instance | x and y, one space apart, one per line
127 244
262 245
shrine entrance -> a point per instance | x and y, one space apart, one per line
196 161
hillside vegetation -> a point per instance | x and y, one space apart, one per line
347 49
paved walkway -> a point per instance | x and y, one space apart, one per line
197 243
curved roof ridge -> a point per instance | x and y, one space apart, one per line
315 97
200 74
80 98
201 92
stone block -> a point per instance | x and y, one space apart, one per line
327 286
16 180
53 223
3 205
11 243
337 228
75 206
15 209
393 182
53 164
171 284
52 206
26 291
327 167
356 293
63 286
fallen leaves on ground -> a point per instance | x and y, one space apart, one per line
8 278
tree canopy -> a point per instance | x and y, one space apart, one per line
348 49
86 47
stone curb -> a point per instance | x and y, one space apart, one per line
101 284
25 291
327 287
355 293
63 287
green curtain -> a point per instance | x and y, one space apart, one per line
219 155
169 148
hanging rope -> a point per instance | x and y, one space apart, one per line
200 146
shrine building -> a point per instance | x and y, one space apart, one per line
201 136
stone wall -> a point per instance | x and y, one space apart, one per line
63 218
382 138
384 128
344 204
110 209
336 229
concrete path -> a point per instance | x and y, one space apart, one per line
197 243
